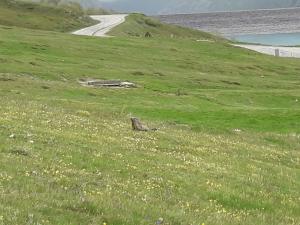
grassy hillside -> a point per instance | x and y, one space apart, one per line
226 152
36 16
137 25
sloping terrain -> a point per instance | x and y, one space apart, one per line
137 25
226 150
36 16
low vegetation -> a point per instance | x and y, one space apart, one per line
65 18
226 152
137 25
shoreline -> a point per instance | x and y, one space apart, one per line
278 51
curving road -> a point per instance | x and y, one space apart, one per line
107 22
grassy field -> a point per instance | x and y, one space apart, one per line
43 17
226 152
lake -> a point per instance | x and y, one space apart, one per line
271 27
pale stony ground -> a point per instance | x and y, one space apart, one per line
293 52
107 22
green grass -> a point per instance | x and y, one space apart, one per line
68 155
43 17
137 25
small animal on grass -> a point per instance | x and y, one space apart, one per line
148 35
138 126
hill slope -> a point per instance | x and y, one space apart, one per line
36 16
137 25
226 152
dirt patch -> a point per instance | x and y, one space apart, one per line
231 82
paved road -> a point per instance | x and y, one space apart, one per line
107 22
293 52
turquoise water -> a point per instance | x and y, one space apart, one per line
286 39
